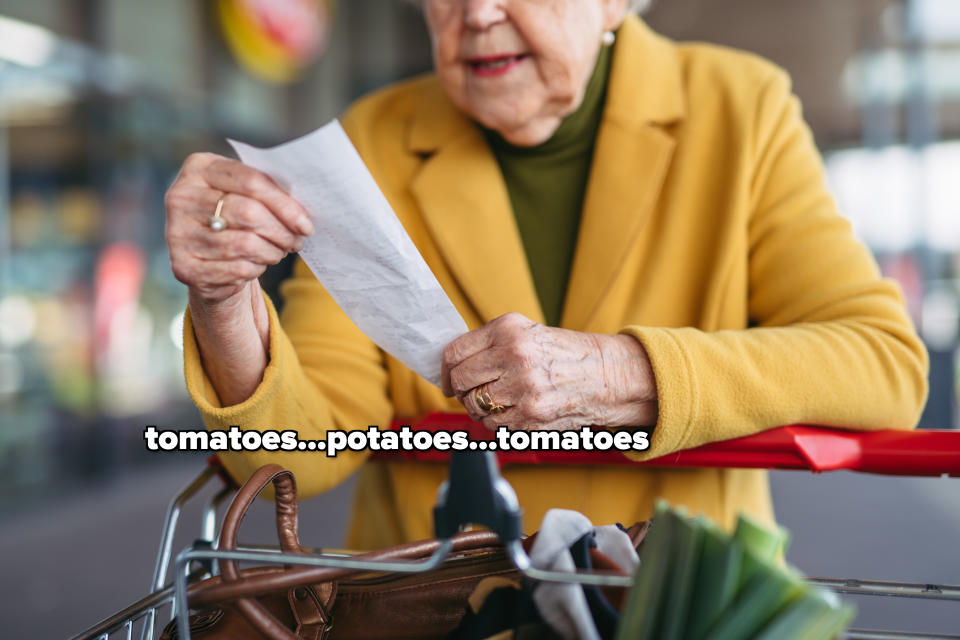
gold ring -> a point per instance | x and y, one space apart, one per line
486 404
217 222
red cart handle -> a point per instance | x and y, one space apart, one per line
911 453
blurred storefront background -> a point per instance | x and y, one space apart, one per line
101 100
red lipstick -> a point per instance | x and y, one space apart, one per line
498 65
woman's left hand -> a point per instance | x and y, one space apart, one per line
549 378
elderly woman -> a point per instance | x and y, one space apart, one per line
637 231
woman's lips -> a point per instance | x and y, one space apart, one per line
489 66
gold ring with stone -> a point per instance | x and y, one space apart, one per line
217 222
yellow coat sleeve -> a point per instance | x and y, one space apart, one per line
334 378
830 342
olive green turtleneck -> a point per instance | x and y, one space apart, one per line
547 184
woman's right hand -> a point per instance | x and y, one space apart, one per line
220 268
263 224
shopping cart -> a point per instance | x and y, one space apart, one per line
931 453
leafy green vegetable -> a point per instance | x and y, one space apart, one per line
758 602
687 544
639 620
717 580
816 615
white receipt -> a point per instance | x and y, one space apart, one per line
359 251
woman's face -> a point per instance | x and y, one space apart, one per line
518 66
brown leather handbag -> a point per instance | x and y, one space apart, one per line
321 603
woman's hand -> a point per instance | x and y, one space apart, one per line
549 378
263 225
221 268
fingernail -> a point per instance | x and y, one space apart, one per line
305 226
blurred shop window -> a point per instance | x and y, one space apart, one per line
86 293
897 197
900 188
100 102
99 105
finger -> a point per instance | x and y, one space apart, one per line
190 207
248 214
445 385
452 356
472 342
501 392
467 345
231 245
469 402
482 367
231 176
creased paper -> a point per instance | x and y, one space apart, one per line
359 251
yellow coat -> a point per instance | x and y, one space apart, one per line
707 233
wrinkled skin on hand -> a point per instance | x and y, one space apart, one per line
550 378
263 225
220 268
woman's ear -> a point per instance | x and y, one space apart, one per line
614 11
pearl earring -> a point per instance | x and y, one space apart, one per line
609 37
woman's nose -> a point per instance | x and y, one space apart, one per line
482 14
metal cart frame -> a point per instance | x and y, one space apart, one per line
913 453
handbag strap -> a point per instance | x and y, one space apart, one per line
285 492
285 489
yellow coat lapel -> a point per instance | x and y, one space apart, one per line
630 163
466 207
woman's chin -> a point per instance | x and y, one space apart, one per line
517 123
526 132
521 122
530 137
